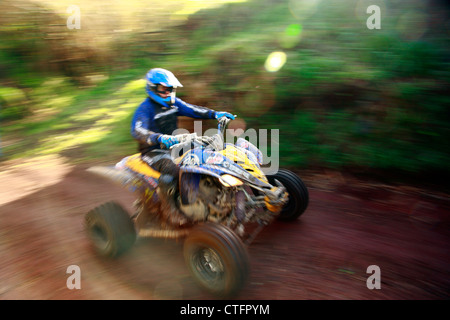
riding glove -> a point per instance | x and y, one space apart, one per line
220 114
168 140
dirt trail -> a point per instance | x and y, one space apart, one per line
350 224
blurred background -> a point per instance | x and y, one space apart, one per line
342 95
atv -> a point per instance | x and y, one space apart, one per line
222 201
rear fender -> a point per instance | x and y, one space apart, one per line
124 178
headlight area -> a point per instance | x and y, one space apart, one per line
228 180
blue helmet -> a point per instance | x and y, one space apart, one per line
163 77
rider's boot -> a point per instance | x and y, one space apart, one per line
167 186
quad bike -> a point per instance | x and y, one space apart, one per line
223 200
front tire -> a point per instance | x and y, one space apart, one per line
298 194
217 259
110 229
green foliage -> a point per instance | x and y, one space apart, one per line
12 103
347 97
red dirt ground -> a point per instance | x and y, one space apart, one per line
350 224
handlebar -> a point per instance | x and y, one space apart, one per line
216 141
222 124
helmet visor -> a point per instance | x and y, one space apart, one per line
163 89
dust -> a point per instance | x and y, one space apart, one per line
19 178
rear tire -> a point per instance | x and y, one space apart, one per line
110 229
217 259
298 194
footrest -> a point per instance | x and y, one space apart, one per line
162 233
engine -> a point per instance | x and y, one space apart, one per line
212 202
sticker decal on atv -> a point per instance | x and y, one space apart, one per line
191 160
214 159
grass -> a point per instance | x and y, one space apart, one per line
65 118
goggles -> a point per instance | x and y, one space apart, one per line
162 89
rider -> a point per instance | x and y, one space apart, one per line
155 120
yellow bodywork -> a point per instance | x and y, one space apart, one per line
239 157
136 164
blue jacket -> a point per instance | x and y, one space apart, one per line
151 120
